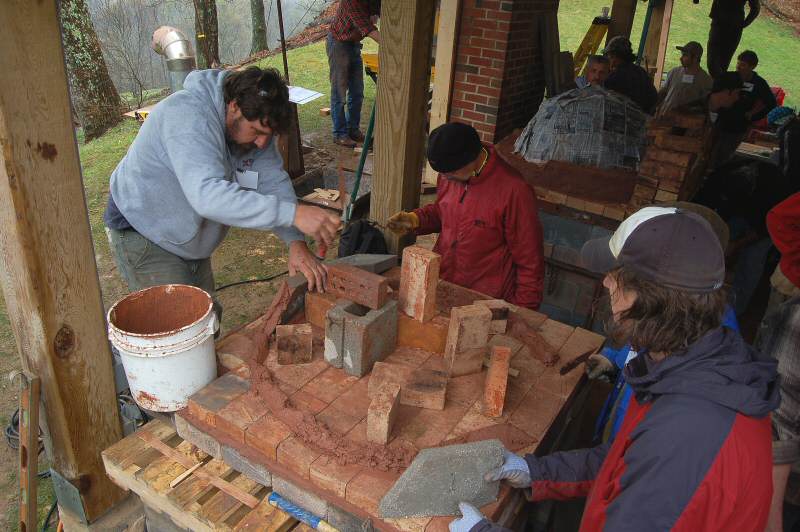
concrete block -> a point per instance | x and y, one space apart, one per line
494 392
160 522
419 278
359 286
248 468
334 334
499 309
347 522
302 498
370 262
440 478
295 343
203 441
425 388
382 413
369 336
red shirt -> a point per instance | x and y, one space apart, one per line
352 22
490 238
783 223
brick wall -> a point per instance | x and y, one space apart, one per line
499 78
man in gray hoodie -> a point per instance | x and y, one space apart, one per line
206 159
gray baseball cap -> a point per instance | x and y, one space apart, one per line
692 48
667 245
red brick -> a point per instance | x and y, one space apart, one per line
536 412
662 170
384 373
382 413
477 98
678 143
330 384
327 474
338 420
298 457
295 343
427 428
307 402
430 336
367 488
673 157
239 414
204 404
419 278
467 337
425 388
499 309
362 287
317 306
297 375
494 394
464 390
355 401
408 356
266 434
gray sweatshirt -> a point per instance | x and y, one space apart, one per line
179 184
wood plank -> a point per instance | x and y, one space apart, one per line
406 34
446 41
266 518
655 46
666 21
188 462
622 15
49 275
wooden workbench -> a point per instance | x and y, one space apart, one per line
534 400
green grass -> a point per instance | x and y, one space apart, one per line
308 68
777 44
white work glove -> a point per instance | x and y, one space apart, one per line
470 516
597 365
514 471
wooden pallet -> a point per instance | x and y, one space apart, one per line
196 502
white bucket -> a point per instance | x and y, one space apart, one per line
165 337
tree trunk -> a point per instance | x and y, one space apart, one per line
206 33
259 41
96 100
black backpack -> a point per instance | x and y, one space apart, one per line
361 236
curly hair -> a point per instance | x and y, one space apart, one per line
662 319
261 94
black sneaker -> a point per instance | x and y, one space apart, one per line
347 142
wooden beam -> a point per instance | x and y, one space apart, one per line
661 55
446 41
47 270
405 51
622 15
655 45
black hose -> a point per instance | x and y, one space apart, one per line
247 281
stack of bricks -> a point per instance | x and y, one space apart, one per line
499 66
674 161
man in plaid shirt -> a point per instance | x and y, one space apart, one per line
355 20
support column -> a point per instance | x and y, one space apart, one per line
47 265
405 52
622 15
655 45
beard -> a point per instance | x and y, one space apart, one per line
235 147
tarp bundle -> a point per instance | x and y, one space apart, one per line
590 126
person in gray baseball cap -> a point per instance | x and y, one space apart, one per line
686 84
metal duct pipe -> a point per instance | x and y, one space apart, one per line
177 50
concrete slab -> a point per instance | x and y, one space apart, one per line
441 477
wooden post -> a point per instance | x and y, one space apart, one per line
48 271
446 40
405 51
655 46
622 15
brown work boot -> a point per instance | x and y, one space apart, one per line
357 135
347 142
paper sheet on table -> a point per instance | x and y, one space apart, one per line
301 96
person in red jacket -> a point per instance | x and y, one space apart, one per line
694 450
490 238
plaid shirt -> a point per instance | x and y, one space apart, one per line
780 337
352 22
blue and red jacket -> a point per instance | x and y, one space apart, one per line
694 452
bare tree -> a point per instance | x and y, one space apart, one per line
206 32
125 28
259 40
96 100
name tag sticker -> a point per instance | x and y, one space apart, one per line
247 179
748 87
688 78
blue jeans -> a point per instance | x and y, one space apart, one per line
347 81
